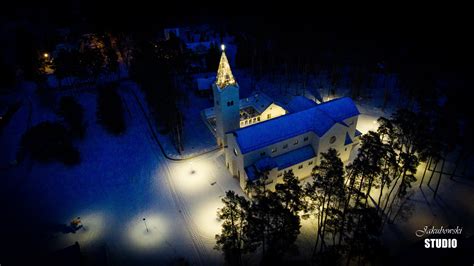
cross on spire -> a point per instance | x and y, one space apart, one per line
224 73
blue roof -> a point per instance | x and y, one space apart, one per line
251 172
318 119
293 157
357 133
282 161
299 103
264 164
339 109
348 139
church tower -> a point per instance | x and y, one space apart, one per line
226 100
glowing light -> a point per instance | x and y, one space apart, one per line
147 234
206 219
224 73
192 178
367 123
45 55
222 47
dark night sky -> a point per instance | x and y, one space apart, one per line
443 31
402 35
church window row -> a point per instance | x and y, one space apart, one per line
285 146
299 167
250 121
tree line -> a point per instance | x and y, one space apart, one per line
351 204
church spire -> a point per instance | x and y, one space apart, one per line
224 73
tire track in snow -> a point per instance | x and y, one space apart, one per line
177 198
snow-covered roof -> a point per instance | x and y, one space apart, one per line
294 157
198 46
318 119
339 109
281 162
299 103
205 83
259 100
265 163
251 172
348 139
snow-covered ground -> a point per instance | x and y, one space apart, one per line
120 181
123 179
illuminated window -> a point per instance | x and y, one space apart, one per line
296 142
332 139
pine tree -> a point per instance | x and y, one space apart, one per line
326 193
233 240
290 193
272 225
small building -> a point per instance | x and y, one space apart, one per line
204 85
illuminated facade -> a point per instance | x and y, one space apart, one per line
260 136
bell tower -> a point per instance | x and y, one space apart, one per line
226 100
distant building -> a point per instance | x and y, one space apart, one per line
167 32
197 38
204 85
200 39
260 136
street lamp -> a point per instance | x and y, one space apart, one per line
144 221
45 55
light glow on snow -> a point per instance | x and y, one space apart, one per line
192 177
142 239
206 219
367 123
93 228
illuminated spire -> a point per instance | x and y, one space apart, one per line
224 73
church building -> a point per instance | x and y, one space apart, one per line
279 139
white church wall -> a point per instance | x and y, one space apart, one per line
233 156
301 170
227 116
339 132
272 111
319 145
